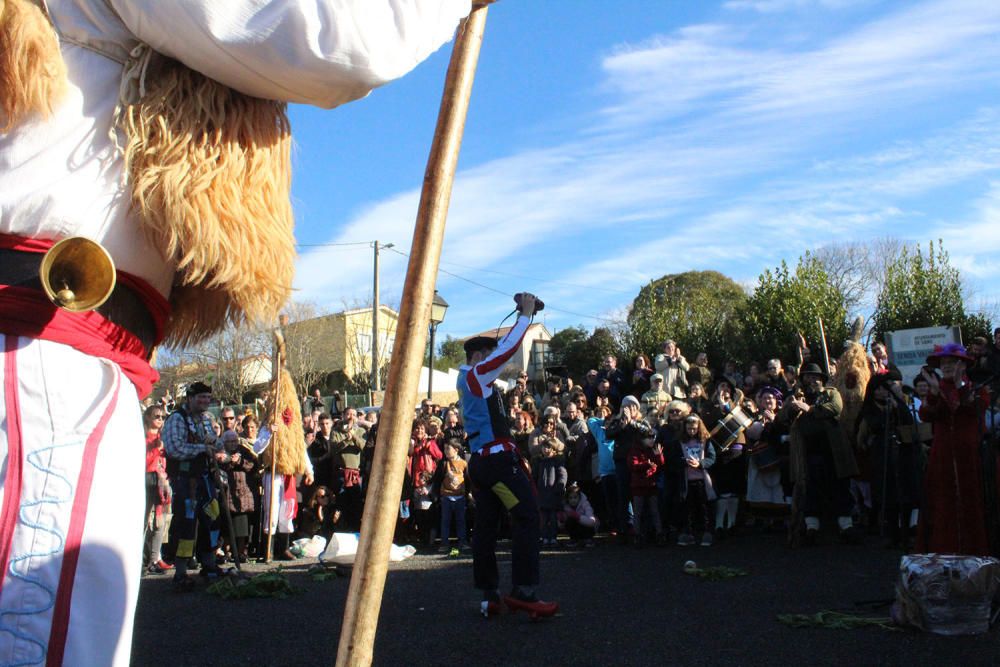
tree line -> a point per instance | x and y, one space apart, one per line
892 285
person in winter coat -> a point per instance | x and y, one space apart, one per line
697 455
578 517
644 463
241 461
550 480
627 428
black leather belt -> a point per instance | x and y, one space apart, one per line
124 307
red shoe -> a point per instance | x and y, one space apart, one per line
491 608
534 607
164 565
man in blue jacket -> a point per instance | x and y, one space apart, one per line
498 472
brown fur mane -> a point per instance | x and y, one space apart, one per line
32 71
211 176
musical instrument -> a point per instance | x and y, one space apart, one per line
764 456
729 429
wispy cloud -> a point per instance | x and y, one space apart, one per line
777 6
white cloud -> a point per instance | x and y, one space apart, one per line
778 6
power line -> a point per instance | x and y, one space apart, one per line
508 294
476 268
538 280
331 245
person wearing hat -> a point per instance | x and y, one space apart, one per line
498 473
821 460
189 441
655 400
767 469
954 518
893 460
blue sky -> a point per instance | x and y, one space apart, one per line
610 143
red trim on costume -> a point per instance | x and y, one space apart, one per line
473 382
74 535
289 496
12 242
27 312
502 358
12 483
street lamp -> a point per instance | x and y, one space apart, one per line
438 308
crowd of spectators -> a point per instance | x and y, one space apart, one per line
670 452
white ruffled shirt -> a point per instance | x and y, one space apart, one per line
63 176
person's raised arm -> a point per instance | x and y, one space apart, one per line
485 372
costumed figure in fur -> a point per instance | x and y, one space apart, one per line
851 380
157 130
285 460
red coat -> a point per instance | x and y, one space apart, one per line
423 458
156 460
642 467
953 520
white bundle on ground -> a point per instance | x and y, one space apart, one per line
343 547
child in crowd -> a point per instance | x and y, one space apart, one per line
452 483
550 479
696 492
319 516
578 517
645 459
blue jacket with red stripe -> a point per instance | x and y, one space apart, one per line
483 411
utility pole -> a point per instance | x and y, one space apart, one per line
375 308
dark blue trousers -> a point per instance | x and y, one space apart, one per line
499 482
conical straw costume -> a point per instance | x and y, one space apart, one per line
288 442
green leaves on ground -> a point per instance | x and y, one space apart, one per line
270 584
835 620
717 572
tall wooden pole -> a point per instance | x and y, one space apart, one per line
364 598
375 307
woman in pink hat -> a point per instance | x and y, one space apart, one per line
953 519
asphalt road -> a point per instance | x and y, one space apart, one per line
620 606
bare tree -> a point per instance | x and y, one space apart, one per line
307 340
232 361
358 342
858 269
848 267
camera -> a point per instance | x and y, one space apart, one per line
539 304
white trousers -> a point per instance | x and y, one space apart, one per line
71 506
282 520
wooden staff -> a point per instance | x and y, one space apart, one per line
826 353
364 598
276 366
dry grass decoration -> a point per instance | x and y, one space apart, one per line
210 175
288 441
851 380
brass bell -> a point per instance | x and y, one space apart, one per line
77 274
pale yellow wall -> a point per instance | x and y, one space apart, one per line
333 340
